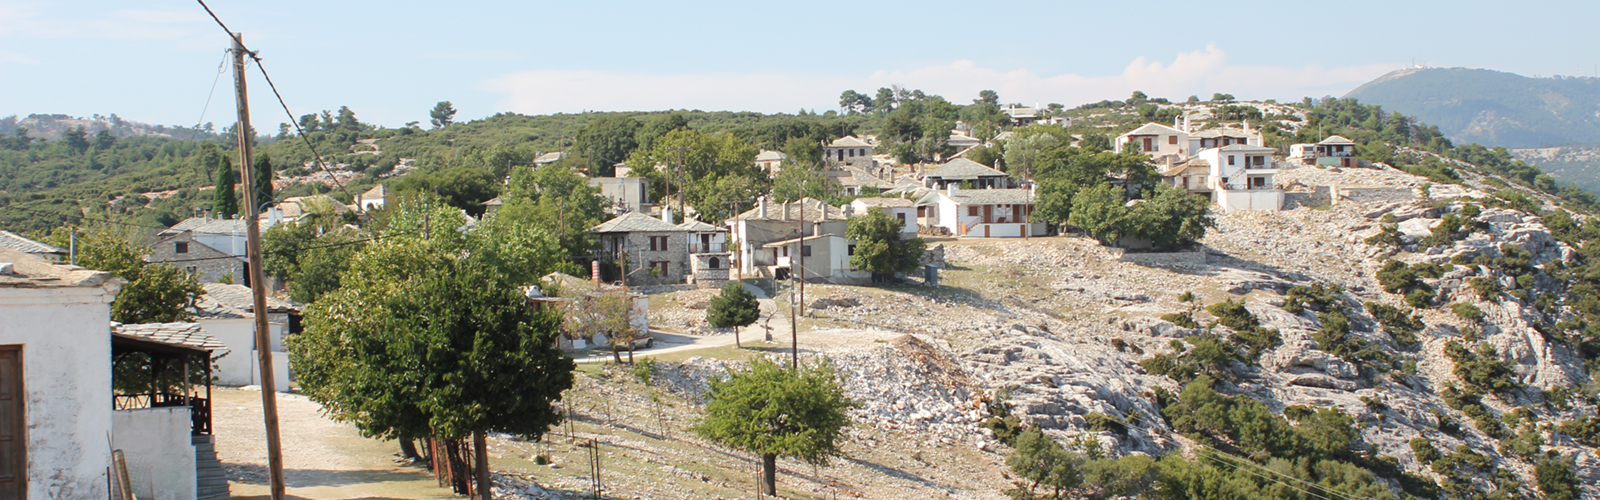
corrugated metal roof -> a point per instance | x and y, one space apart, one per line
185 335
635 222
13 241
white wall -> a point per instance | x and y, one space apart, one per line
1005 230
160 451
65 335
241 366
1264 200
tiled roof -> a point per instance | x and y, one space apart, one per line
377 191
1245 148
766 155
962 168
203 225
813 209
1152 129
1336 140
185 335
635 222
223 300
12 241
991 196
849 141
958 140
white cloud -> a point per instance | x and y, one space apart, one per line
1200 72
31 21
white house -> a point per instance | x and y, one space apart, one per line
770 162
1156 140
709 257
1219 137
1020 115
373 199
1241 177
55 378
627 194
983 213
754 229
896 208
849 150
226 313
820 258
165 432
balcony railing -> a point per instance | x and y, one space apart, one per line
708 248
199 408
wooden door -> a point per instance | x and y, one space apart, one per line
13 438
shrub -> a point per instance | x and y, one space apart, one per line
644 369
1470 210
1467 312
1487 287
1317 297
1400 325
1482 370
1182 319
1247 331
1585 430
1445 233
1556 479
1388 236
1424 450
1420 298
1100 422
1396 277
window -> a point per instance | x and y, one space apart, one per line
805 250
1230 160
850 250
180 247
658 243
863 152
1172 139
972 211
785 251
901 216
852 153
1261 161
714 263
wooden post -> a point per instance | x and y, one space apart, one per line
269 391
480 444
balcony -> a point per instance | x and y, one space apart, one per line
708 248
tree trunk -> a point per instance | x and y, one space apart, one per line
769 473
480 443
456 467
736 338
630 351
615 354
408 450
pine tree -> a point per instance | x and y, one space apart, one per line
263 180
224 202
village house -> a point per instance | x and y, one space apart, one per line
965 173
1242 177
627 194
709 258
1193 174
294 209
770 222
548 158
960 142
1020 115
646 250
207 248
856 181
902 209
819 258
1219 137
373 199
1156 140
849 150
12 241
226 313
983 213
770 162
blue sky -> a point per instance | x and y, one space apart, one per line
391 61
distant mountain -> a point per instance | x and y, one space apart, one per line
51 126
1492 108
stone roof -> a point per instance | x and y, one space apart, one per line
813 210
849 141
493 202
223 300
1015 196
24 270
962 168
1152 128
295 207
886 202
378 191
13 241
1336 140
697 226
182 335
813 237
206 225
1245 148
635 222
959 140
766 155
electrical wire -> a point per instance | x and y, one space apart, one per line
1239 463
302 132
220 66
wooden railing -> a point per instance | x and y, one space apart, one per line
199 408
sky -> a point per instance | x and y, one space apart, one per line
157 62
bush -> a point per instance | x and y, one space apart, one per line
1389 236
1400 325
1420 298
1181 319
644 370
1556 478
1424 450
1247 331
1317 297
1487 287
1467 312
1100 422
1585 430
1482 370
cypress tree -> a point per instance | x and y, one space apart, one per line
223 200
263 179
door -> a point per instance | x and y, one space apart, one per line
13 438
1147 144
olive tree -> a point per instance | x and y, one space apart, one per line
773 412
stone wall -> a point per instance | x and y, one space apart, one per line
211 269
1376 194
704 275
1192 258
640 258
1319 196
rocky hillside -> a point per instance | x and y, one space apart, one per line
1410 330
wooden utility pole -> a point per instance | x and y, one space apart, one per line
258 286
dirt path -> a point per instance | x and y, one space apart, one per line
323 459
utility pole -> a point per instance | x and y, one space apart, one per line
794 331
680 149
258 286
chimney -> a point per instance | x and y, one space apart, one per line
950 189
761 207
594 271
786 211
666 214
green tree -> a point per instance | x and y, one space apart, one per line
1099 211
103 140
224 201
606 141
558 199
1044 462
1556 478
879 248
462 187
347 119
154 293
987 97
1170 220
1021 152
802 180
656 127
434 337
774 412
263 179
442 114
735 307
76 139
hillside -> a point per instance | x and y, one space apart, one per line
1492 108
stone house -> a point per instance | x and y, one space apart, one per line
709 258
849 150
968 173
897 208
47 252
227 313
646 250
373 199
207 248
627 194
770 162
754 229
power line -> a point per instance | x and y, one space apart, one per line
302 132
1239 462
296 249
